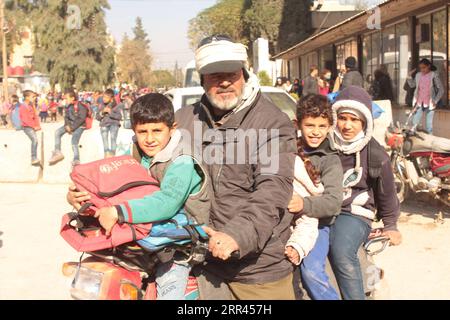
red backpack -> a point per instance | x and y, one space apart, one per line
109 182
90 114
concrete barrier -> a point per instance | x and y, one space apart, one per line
15 157
91 149
15 153
383 122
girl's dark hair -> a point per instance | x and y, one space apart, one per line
152 108
428 63
315 106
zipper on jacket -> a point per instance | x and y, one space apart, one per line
218 178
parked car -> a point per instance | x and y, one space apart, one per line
182 97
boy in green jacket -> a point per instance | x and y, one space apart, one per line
157 146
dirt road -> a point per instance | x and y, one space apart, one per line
33 252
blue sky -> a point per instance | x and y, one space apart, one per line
165 21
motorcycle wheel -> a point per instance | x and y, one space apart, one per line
402 188
400 184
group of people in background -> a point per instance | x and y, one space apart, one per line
424 89
322 82
77 110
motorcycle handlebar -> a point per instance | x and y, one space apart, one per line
383 239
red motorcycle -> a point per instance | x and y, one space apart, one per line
122 273
127 272
421 163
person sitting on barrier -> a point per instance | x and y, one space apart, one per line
74 124
30 123
317 196
158 147
369 189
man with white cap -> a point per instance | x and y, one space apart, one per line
248 215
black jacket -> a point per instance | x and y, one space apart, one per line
75 116
381 88
310 86
250 199
352 78
112 118
377 181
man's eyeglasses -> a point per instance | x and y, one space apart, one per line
218 37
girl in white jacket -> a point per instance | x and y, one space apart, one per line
305 232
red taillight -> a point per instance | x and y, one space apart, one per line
395 141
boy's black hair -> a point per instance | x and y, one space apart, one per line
110 93
152 108
314 105
71 93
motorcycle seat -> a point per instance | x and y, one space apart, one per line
429 143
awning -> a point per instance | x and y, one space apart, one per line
390 10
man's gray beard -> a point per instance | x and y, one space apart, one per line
226 105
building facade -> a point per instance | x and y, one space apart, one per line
393 36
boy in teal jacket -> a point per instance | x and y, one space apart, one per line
156 146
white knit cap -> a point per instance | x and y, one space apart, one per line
220 56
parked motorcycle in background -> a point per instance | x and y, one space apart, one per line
421 163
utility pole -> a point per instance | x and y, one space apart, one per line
4 53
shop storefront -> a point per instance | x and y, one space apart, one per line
410 30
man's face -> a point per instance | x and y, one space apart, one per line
224 90
349 125
153 137
315 73
314 130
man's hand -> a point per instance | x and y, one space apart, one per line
221 245
107 217
37 129
394 236
296 204
68 130
107 110
77 198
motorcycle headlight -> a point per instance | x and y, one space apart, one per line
87 284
